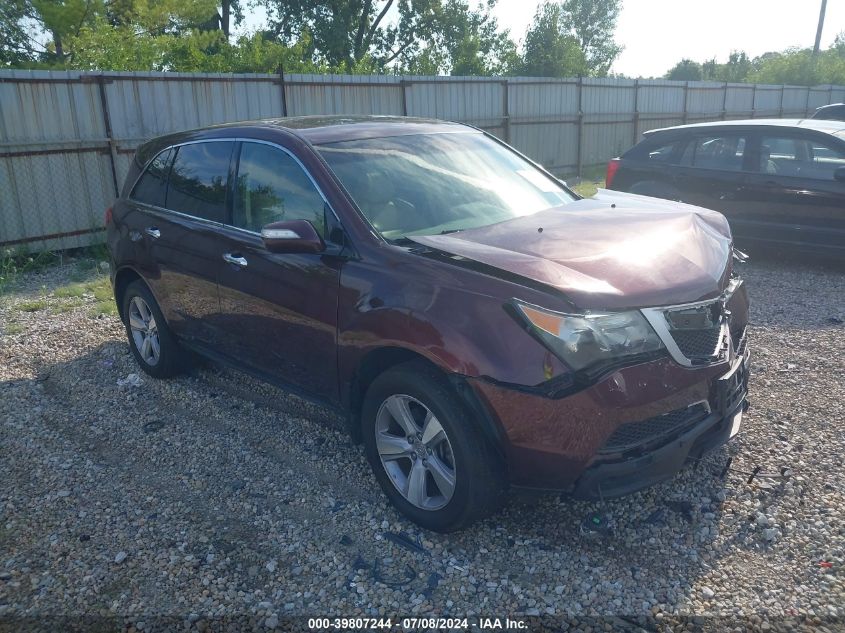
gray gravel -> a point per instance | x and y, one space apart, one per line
214 494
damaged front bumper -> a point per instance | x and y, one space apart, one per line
638 425
613 476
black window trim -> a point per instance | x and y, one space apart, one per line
234 160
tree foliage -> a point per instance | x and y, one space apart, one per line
343 34
465 41
685 70
592 23
549 49
794 66
459 37
571 38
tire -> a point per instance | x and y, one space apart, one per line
476 470
163 358
656 190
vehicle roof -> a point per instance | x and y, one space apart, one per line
836 128
318 129
831 105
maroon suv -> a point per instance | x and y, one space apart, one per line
480 324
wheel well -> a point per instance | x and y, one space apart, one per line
122 279
379 361
372 366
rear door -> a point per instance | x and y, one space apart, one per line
179 236
711 171
279 311
795 198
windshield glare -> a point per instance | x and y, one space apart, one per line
426 184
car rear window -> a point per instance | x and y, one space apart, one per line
831 113
198 180
151 187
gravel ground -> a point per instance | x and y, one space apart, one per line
214 495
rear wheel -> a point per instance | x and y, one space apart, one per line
150 339
425 451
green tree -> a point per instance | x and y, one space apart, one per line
123 48
344 34
685 70
800 67
737 68
592 23
464 41
549 50
16 45
62 19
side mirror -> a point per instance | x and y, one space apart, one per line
839 174
292 236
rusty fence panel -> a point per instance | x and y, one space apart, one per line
66 137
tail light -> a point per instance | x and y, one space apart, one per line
612 168
108 216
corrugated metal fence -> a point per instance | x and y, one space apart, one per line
66 138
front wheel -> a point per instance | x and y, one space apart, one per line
426 452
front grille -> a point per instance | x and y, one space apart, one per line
636 434
698 343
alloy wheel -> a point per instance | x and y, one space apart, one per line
144 330
415 452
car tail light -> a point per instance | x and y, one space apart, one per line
108 216
612 168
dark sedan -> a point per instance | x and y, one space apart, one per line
780 182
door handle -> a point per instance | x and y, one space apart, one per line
235 259
153 232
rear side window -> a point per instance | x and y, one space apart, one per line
198 180
152 186
832 113
725 152
808 158
272 187
657 152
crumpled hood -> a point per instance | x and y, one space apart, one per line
612 251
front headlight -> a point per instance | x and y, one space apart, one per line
583 340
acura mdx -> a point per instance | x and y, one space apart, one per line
481 326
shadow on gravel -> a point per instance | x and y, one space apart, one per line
216 465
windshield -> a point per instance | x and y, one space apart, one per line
426 184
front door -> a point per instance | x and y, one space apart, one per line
279 310
796 199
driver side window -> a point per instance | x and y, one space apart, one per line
792 156
271 187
